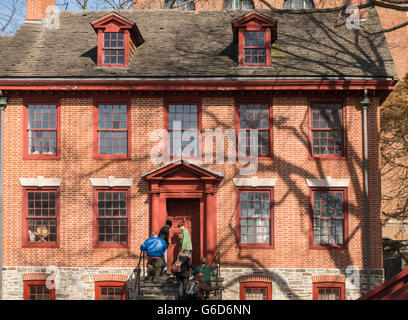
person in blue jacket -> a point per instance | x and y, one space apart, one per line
154 247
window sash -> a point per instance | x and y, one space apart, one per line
332 293
256 293
42 129
112 225
39 292
112 130
328 217
255 217
328 139
107 42
255 116
111 293
41 216
188 116
254 49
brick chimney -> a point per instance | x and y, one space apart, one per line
36 9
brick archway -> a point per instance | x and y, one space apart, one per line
184 180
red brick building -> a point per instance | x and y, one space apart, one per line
85 92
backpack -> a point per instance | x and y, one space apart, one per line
176 267
192 288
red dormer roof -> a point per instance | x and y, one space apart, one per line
256 19
116 23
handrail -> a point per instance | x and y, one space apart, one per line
135 278
218 291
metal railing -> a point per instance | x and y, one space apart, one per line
133 283
218 275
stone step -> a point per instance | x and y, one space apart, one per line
157 297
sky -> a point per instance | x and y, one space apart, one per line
62 4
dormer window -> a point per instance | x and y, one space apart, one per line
238 5
113 48
298 4
179 4
254 47
118 39
254 33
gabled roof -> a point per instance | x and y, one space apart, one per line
178 164
119 22
395 288
183 44
253 17
112 17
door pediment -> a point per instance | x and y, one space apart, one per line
183 170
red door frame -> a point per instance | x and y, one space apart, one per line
167 195
198 183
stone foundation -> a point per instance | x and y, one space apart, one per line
296 284
71 283
74 283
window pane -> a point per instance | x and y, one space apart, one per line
254 116
111 293
41 220
112 207
112 117
183 121
329 140
328 219
255 217
254 50
255 293
42 141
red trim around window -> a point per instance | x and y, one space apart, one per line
313 245
111 284
96 154
36 283
254 21
343 154
269 245
183 101
328 285
101 34
253 26
113 22
254 100
39 101
25 242
96 243
255 285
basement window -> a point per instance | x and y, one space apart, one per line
37 290
328 291
110 290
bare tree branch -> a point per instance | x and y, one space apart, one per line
10 10
83 4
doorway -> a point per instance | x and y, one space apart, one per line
187 211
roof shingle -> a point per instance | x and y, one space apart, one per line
199 44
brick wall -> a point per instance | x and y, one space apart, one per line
290 165
36 9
